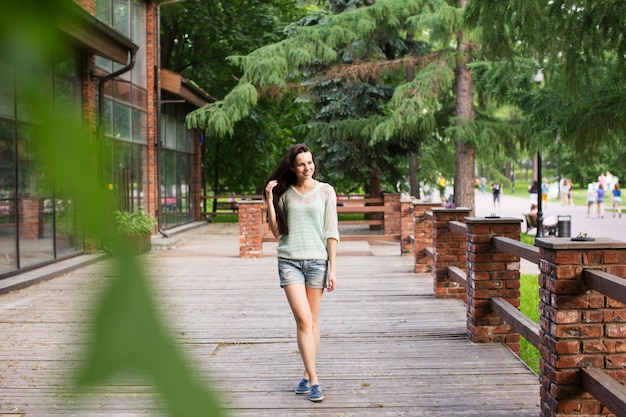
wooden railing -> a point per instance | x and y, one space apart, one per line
395 222
582 336
228 205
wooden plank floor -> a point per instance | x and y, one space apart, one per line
388 347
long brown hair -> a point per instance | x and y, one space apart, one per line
286 178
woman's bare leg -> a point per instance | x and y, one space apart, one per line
305 305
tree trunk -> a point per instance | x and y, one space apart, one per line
375 191
414 167
464 179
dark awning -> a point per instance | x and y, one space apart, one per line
182 87
91 34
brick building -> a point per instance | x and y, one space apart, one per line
110 75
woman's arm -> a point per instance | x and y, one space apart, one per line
332 258
271 210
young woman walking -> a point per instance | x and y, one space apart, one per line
302 214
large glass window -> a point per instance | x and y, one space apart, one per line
176 166
8 212
7 90
30 221
125 108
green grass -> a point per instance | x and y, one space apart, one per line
351 216
225 218
529 305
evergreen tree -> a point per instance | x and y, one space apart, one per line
389 40
579 49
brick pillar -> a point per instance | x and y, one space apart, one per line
250 229
29 210
491 273
450 250
407 226
423 235
579 327
196 178
391 220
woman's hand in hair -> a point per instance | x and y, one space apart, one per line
271 210
269 189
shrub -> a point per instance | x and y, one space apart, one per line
137 222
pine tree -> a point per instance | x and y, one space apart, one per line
360 45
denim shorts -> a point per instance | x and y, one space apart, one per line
313 273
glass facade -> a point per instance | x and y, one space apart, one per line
125 108
176 165
37 223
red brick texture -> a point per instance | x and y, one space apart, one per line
250 229
392 224
491 273
579 327
422 235
450 249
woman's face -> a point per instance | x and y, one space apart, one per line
303 166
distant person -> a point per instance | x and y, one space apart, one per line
483 184
617 200
534 192
232 202
609 181
567 192
600 192
496 191
591 200
513 182
548 223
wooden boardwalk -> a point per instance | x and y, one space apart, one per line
388 347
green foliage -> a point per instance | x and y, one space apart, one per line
580 49
529 306
126 336
137 222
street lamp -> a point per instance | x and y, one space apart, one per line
558 144
540 197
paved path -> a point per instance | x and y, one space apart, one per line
512 206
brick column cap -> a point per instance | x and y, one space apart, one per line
249 201
425 203
559 243
492 220
451 210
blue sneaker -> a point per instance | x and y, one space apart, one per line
303 387
316 393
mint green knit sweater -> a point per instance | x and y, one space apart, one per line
312 219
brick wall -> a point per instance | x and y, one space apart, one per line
579 327
407 227
491 273
196 178
250 229
450 248
391 220
423 235
151 177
